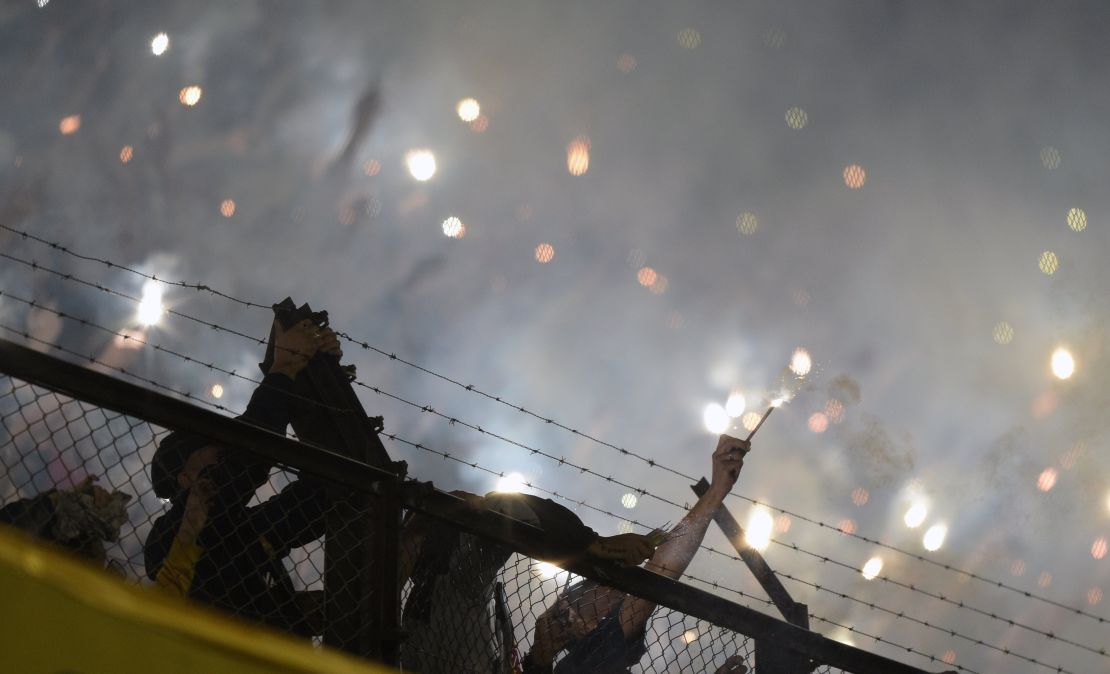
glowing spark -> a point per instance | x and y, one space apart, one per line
800 362
160 44
915 515
150 306
629 500
190 95
934 537
468 109
227 208
1063 364
715 418
69 125
796 118
578 156
1047 479
747 223
758 532
1048 262
545 253
854 176
421 164
453 228
1077 219
125 153
872 568
735 404
1099 548
512 483
1003 333
688 38
217 391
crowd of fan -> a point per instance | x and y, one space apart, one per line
212 546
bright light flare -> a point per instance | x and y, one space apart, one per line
160 44
854 176
716 419
150 306
801 362
1063 364
125 154
629 500
227 208
548 571
217 391
934 537
1047 479
190 95
735 404
1077 219
818 422
916 515
690 636
872 568
468 109
453 228
421 164
758 532
511 483
578 156
69 125
544 253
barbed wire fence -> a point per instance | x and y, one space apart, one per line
313 562
546 419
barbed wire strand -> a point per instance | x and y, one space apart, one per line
471 388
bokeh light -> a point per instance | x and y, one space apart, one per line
872 568
646 276
934 537
545 253
834 410
636 258
160 44
1050 158
1063 363
511 483
782 523
217 391
854 176
916 515
227 208
453 228
578 156
1077 219
190 95
1048 262
629 500
626 63
715 418
1017 568
818 422
860 496
69 125
1003 332
468 109
150 306
480 124
757 533
949 657
750 420
421 164
371 167
660 285
1045 579
625 527
800 362
735 404
1099 547
689 38
1094 595
125 153
690 636
747 223
796 118
846 526
774 37
1047 479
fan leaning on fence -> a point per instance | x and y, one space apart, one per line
213 548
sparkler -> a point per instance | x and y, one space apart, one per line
777 402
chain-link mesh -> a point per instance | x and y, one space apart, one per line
469 604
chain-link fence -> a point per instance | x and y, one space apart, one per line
255 546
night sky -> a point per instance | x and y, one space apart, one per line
657 204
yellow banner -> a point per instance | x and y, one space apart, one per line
61 616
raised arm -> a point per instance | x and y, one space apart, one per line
675 553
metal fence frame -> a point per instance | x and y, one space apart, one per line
126 398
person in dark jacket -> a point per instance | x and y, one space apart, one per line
602 629
211 546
